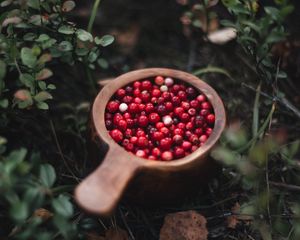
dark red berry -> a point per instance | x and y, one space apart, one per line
154 118
113 106
143 121
116 135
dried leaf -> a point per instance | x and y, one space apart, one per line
94 236
187 225
237 217
42 213
44 74
11 20
22 95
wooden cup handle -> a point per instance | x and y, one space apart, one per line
101 191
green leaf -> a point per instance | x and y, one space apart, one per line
84 35
102 63
42 105
6 3
35 4
28 58
81 51
92 57
286 10
4 103
42 85
65 46
62 206
42 96
68 6
27 80
51 87
47 175
212 69
105 40
44 74
29 36
281 74
2 71
42 38
66 29
19 211
46 57
227 23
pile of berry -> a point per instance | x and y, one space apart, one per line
159 120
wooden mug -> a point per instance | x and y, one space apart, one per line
145 180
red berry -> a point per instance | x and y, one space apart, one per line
187 134
198 131
120 93
154 100
142 107
127 99
159 125
156 93
140 133
122 125
141 153
194 139
194 104
142 142
210 118
178 111
137 92
165 143
179 152
156 152
159 80
127 115
108 115
128 133
129 147
133 140
166 96
129 90
176 101
208 131
201 98
165 131
157 136
167 156
145 96
199 121
203 138
206 105
146 85
113 106
137 100
191 92
194 148
185 105
192 111
130 122
178 131
182 95
116 135
151 157
133 108
169 106
154 118
177 139
186 145
189 126
117 118
143 121
136 84
181 125
185 117
204 112
160 100
109 124
149 108
161 109
175 89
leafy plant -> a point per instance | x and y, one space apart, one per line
35 35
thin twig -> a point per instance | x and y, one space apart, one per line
126 224
93 15
286 186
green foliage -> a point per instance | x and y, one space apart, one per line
27 190
258 33
33 35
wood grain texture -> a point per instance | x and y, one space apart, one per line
144 179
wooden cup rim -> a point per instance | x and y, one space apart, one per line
106 93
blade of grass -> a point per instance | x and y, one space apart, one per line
212 69
255 119
260 131
93 15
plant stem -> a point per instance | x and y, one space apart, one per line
93 15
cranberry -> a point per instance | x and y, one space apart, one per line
199 121
179 152
189 126
191 92
166 96
141 153
178 131
149 108
165 131
109 124
142 142
122 125
194 104
169 106
159 125
210 118
186 145
181 95
157 136
154 100
151 157
178 111
116 135
201 98
137 84
203 138
208 131
206 105
108 115
130 122
129 90
154 118
194 139
133 108
127 99
133 140
120 93
176 101
181 125
137 92
198 131
137 100
156 152
117 118
113 106
140 133
128 133
185 117
142 107
160 100
165 143
145 96
143 121
192 111
177 139
146 85
156 93
129 147
161 109
175 89
188 134
204 112
159 80
167 156
127 115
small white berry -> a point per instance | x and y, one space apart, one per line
169 81
164 88
167 120
123 107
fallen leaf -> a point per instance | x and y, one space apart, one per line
236 217
116 234
188 225
42 213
